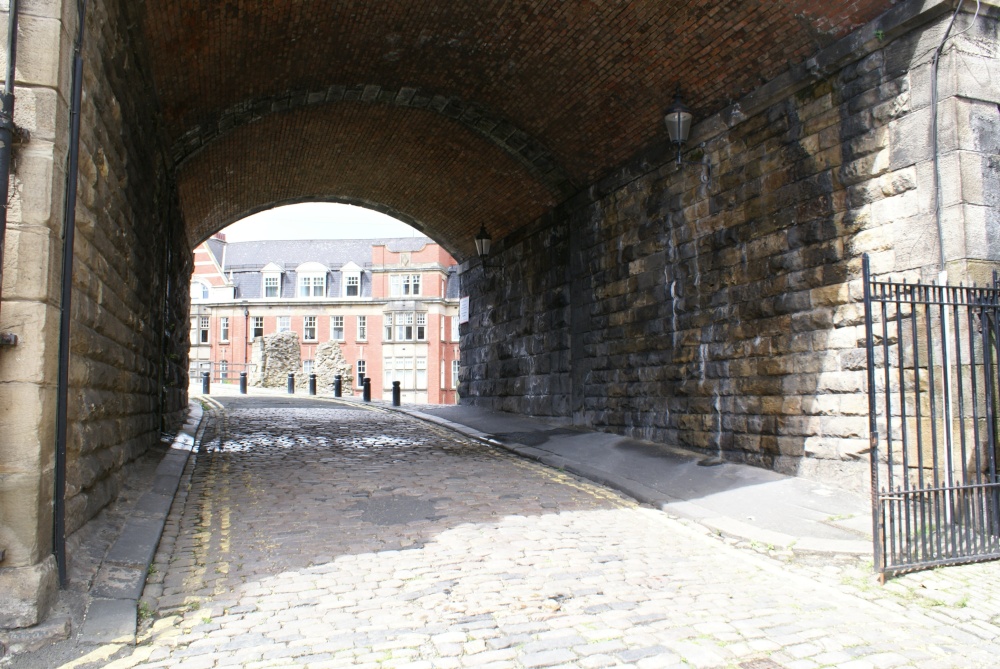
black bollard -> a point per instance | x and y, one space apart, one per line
312 384
338 386
396 394
243 383
366 395
205 381
291 383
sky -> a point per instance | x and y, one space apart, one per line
318 220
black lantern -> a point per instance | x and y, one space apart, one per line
483 242
677 118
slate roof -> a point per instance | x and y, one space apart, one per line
244 261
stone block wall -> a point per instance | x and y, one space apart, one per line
726 316
130 281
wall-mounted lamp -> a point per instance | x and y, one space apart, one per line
483 244
677 118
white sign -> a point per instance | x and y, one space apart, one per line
463 310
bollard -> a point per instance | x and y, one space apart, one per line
205 381
338 386
395 394
312 384
291 383
366 394
243 383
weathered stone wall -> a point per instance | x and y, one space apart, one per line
329 362
131 262
274 357
129 284
726 316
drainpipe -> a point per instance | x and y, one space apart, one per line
69 228
6 142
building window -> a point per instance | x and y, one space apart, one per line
361 367
224 328
454 373
203 329
309 328
271 285
307 367
199 290
442 328
402 285
442 375
337 328
352 285
312 285
421 374
224 370
258 326
387 319
454 328
421 327
362 328
404 327
284 323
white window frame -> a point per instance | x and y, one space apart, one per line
284 324
359 373
404 285
223 328
257 324
204 322
352 280
307 367
454 329
455 366
362 328
421 375
404 326
271 281
309 329
337 328
443 330
421 328
387 325
312 285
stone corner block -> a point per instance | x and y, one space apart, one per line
28 593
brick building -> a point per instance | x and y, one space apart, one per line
391 305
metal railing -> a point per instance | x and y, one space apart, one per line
219 373
933 410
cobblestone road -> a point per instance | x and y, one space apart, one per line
323 535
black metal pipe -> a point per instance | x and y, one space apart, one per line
69 228
7 126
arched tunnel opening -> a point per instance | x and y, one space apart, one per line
703 295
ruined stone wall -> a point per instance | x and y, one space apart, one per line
330 362
274 357
725 316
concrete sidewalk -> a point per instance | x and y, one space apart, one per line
737 500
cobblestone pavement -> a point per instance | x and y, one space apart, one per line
322 535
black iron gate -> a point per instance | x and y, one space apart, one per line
933 407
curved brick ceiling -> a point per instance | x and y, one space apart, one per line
580 85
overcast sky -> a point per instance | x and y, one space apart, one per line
318 220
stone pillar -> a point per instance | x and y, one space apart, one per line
30 309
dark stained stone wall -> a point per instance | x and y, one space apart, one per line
725 315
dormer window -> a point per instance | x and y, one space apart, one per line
272 281
351 280
404 285
311 279
199 290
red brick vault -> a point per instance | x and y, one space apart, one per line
627 293
426 96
